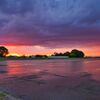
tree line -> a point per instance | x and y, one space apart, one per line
73 54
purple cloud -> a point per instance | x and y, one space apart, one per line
50 23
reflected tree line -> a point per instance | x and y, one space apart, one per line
73 54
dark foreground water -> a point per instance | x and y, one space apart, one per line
76 79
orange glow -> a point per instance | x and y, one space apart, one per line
33 50
13 54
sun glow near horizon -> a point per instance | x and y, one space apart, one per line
13 54
33 50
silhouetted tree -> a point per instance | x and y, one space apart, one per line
76 54
61 54
67 54
56 54
3 51
41 56
23 56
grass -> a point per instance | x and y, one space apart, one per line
2 95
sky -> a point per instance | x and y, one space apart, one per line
46 26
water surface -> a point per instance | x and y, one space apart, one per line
59 67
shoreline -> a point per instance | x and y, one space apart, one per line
94 58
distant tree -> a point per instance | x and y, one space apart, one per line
38 56
76 54
58 54
30 56
67 54
23 56
61 54
41 56
3 51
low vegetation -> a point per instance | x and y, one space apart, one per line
2 95
73 54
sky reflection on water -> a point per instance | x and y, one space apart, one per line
62 67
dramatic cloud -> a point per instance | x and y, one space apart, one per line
50 22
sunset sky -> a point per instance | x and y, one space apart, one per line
45 26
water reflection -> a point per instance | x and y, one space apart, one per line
76 66
58 67
3 67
